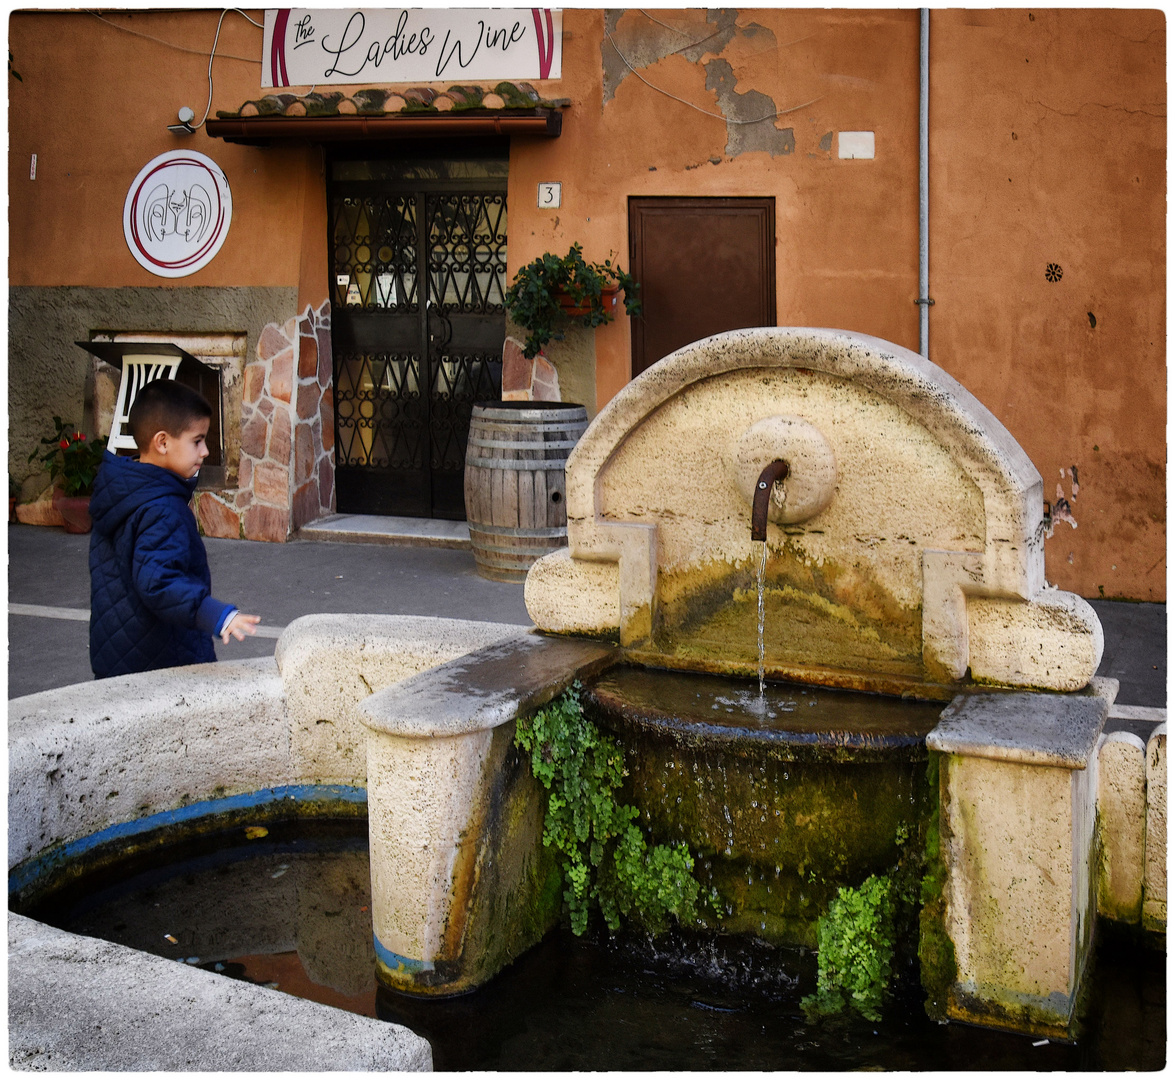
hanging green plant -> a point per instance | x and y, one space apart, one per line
605 857
855 942
553 292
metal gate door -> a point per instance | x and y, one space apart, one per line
418 265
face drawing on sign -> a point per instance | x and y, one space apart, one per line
186 213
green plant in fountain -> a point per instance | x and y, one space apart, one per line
604 856
855 942
533 296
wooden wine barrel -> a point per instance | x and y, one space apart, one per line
515 485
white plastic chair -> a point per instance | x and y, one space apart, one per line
137 371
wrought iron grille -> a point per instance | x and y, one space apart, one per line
467 252
375 253
381 421
459 383
418 283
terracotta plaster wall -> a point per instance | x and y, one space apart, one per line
1048 146
846 230
123 86
93 103
1074 368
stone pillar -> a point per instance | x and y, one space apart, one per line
1018 791
527 380
461 882
1122 825
1154 901
314 426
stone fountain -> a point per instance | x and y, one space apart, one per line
903 557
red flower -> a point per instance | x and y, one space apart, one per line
64 444
79 437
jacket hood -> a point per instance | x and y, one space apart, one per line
124 484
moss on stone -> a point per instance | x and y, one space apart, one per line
816 613
515 96
774 839
369 101
936 951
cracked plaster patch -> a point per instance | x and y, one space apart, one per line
744 136
644 44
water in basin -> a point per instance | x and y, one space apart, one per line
288 911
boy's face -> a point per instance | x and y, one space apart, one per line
181 454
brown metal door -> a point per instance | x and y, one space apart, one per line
704 266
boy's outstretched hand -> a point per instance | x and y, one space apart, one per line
238 626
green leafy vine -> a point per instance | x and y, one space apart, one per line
604 856
855 942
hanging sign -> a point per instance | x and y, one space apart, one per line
304 46
177 213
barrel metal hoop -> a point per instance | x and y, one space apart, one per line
511 558
525 465
506 444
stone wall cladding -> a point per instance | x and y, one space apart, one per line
287 433
523 379
314 419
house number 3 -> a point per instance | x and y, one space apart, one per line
550 196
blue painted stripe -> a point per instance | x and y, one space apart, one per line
26 873
395 962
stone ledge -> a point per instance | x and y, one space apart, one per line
485 689
1028 729
79 1003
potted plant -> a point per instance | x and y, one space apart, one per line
75 459
554 292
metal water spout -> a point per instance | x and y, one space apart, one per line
768 478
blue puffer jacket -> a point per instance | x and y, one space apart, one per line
150 588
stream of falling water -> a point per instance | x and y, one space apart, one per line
762 616
762 647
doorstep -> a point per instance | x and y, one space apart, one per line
376 529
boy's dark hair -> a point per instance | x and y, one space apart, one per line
165 405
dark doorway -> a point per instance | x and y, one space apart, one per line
704 266
418 266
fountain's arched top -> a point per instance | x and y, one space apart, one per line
923 389
930 523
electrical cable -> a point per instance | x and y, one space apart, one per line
692 44
172 44
211 57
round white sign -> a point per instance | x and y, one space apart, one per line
177 213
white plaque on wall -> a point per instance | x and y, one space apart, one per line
177 213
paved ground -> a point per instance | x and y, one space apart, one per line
48 569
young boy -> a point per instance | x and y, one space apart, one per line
150 587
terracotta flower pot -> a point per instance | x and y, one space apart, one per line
608 297
74 511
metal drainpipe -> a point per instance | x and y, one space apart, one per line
924 300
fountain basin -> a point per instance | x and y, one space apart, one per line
112 760
783 797
128 760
